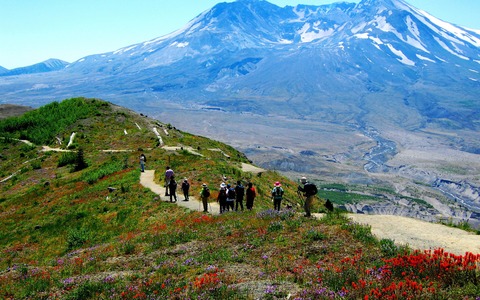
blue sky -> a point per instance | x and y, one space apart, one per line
36 30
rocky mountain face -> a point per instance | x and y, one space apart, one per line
375 92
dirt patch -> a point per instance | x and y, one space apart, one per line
420 234
11 110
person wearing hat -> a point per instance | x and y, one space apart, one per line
309 191
277 195
168 175
185 188
204 195
222 197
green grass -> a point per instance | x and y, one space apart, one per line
65 235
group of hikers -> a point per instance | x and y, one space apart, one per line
306 191
230 198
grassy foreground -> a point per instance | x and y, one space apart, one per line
65 235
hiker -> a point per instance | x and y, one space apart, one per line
277 195
168 174
172 187
230 197
185 188
250 195
309 191
222 197
204 195
240 193
143 160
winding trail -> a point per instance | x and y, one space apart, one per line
415 233
147 179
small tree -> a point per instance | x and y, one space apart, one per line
80 162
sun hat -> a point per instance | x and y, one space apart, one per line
278 183
185 179
204 185
222 185
303 179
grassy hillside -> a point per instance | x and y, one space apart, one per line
65 235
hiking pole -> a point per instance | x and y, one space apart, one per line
302 199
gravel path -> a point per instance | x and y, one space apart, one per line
147 180
420 234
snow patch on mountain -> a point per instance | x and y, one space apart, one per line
444 46
180 44
403 58
309 33
425 58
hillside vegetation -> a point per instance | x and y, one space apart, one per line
78 225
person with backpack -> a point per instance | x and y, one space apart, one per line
204 195
240 193
143 160
168 175
309 191
222 197
277 195
172 187
250 195
230 197
185 188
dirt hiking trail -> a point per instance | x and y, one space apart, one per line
415 233
147 179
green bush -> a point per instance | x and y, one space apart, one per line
388 248
314 235
76 238
361 232
36 165
67 158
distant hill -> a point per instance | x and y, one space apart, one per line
43 67
12 110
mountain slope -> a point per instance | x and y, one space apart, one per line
97 233
375 92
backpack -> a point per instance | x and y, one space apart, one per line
240 190
310 189
206 192
277 192
231 193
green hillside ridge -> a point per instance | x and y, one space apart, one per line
66 235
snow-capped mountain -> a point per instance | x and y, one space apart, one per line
256 48
351 55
